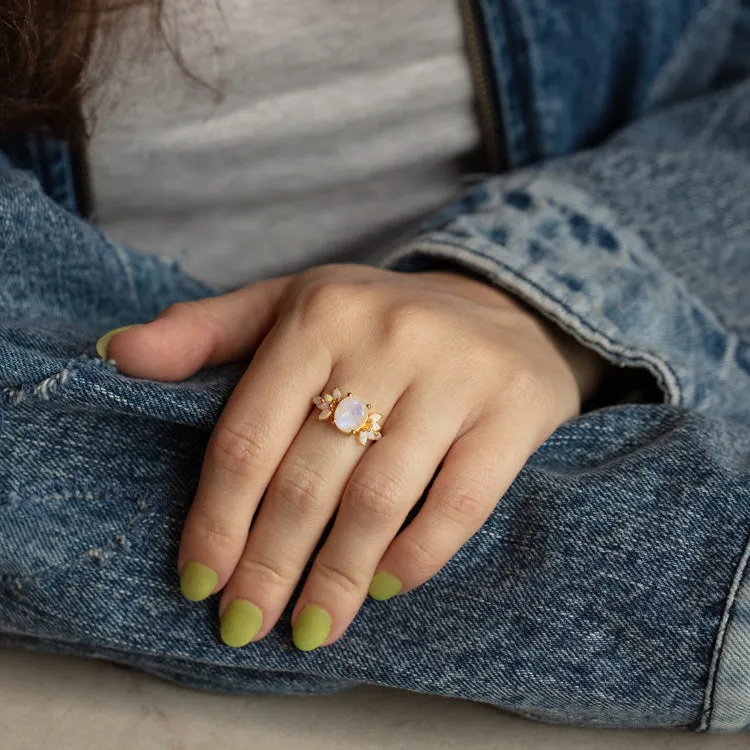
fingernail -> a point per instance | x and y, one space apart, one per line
312 628
384 586
240 622
197 581
102 346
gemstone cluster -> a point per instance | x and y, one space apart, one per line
349 415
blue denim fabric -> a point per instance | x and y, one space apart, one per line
49 159
571 73
610 586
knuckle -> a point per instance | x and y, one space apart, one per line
339 577
298 489
408 320
260 569
374 498
461 507
420 557
204 323
481 358
239 451
214 532
323 300
177 309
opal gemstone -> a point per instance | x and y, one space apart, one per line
350 414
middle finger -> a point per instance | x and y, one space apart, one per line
383 488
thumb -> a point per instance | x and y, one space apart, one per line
188 336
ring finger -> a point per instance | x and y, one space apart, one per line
382 489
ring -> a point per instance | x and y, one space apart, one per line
349 415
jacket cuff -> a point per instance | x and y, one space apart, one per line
727 698
568 256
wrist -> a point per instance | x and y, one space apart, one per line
589 369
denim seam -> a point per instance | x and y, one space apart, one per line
742 570
563 314
114 644
129 650
14 500
49 387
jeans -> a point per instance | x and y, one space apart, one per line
608 588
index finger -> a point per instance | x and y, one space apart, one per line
264 413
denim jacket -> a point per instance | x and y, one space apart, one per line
619 138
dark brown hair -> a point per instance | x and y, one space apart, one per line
45 50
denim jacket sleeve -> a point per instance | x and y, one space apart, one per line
638 247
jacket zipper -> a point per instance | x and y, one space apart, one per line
491 123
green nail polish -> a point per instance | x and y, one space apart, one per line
102 346
240 622
197 581
384 586
312 628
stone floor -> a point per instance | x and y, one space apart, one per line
68 704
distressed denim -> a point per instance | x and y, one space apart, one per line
610 586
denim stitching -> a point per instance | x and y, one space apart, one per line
708 703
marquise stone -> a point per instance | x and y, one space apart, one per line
350 414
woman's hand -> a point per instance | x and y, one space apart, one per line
463 374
